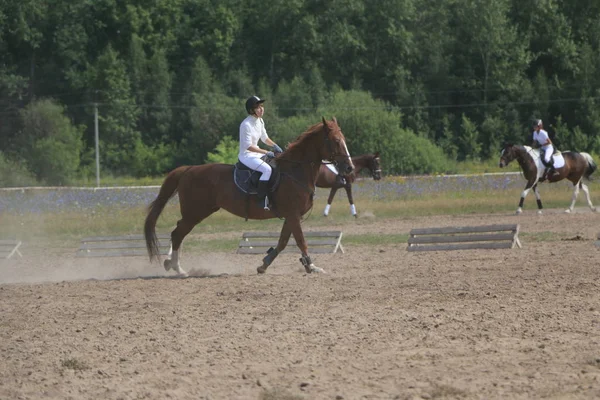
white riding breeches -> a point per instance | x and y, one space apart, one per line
259 165
548 151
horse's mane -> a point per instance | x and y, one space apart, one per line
366 156
304 135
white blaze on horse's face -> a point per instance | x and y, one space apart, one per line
348 154
504 158
376 169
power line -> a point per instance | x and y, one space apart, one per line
383 107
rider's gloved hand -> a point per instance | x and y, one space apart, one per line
270 154
277 149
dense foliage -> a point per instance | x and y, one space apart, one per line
425 82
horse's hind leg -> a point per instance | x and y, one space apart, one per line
184 226
284 237
587 195
329 201
574 198
538 198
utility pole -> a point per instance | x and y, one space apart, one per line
97 140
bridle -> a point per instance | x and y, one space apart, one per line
333 154
374 170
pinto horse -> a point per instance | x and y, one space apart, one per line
204 189
568 164
328 178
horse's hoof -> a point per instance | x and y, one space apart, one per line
519 211
261 270
539 212
593 209
314 268
567 211
167 265
355 215
182 274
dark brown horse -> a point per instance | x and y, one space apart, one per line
330 179
568 164
204 189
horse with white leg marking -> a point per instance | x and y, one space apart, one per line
329 177
204 189
568 165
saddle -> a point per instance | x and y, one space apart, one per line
557 160
246 179
340 178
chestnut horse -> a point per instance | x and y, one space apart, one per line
568 164
204 189
330 179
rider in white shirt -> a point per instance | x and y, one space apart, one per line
541 139
251 130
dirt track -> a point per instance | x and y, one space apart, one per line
381 324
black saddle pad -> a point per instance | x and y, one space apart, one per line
246 179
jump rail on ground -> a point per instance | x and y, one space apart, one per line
120 246
318 242
464 238
9 248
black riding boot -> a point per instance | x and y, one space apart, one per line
549 170
262 193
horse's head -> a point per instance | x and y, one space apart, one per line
375 166
335 149
509 153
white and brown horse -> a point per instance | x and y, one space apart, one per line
568 165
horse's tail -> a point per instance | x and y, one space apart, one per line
592 167
167 190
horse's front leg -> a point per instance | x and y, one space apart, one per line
524 194
536 191
272 253
330 200
348 188
301 243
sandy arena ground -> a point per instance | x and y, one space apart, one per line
383 323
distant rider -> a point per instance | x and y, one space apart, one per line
541 139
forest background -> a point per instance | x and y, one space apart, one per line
428 83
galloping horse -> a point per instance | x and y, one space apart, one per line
568 164
328 178
204 189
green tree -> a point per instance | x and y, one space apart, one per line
470 146
48 143
14 173
226 152
118 114
447 140
372 125
293 98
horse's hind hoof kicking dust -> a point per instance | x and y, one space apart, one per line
169 264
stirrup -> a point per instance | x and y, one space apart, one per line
266 205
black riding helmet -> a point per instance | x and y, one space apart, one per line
252 102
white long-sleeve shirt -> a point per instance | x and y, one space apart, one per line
251 130
541 137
